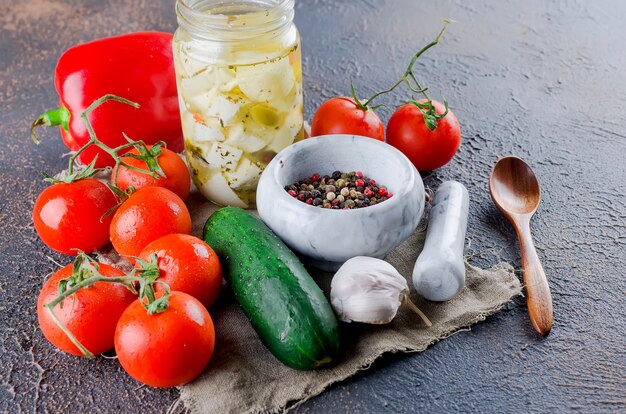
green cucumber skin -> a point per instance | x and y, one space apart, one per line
287 309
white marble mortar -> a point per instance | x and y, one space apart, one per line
327 238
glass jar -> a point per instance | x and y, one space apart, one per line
239 77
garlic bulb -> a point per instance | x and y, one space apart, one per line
369 290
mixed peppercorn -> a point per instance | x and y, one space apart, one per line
339 191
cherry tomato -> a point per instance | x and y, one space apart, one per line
187 264
148 214
342 116
169 348
91 314
426 149
176 174
70 216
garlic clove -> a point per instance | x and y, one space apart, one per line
367 290
369 307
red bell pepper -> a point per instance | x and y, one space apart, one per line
136 66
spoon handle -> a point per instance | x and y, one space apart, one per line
538 295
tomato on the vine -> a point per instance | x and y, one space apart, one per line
186 264
341 115
70 216
176 174
426 149
169 348
148 214
90 314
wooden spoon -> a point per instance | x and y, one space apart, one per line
515 191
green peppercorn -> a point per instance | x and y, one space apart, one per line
350 203
341 198
345 192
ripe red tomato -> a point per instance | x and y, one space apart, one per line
169 348
426 149
187 264
342 116
148 214
176 174
70 216
91 314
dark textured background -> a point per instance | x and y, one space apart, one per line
543 80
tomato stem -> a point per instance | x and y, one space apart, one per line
410 80
86 273
148 155
86 353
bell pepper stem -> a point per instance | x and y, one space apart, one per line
56 117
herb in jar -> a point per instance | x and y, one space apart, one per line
339 191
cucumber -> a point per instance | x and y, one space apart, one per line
287 309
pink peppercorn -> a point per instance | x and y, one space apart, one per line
292 193
309 200
315 177
359 174
360 183
373 183
382 191
368 192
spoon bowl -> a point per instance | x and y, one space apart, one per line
514 187
515 190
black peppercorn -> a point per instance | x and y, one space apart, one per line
347 190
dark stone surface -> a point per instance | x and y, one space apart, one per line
543 80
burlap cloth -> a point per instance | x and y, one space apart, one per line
243 377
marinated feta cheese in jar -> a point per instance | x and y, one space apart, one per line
239 76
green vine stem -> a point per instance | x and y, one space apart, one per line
86 273
148 155
410 80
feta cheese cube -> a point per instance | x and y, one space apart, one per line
220 155
223 79
281 139
287 133
202 89
295 120
245 177
202 101
216 188
224 108
266 81
210 130
238 137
